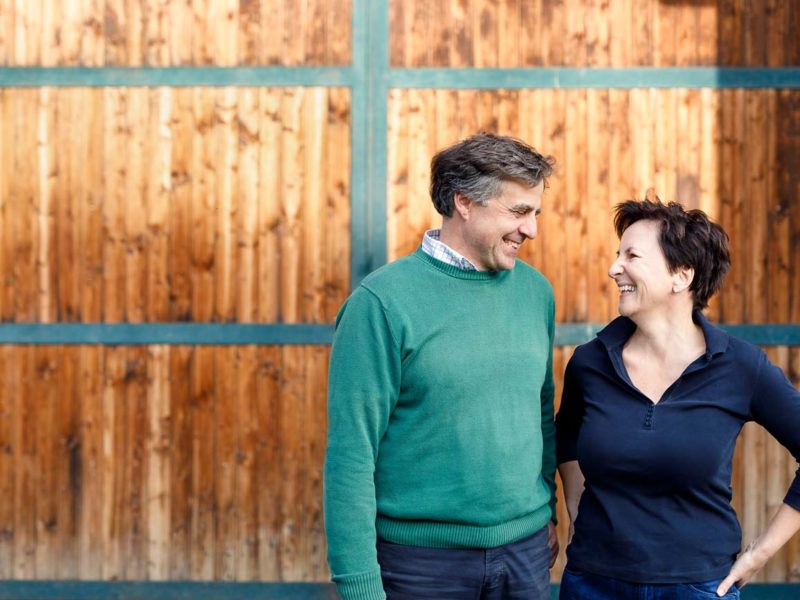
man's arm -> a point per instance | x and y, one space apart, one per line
364 377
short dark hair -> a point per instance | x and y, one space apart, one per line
477 166
688 239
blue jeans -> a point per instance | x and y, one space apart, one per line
580 585
515 571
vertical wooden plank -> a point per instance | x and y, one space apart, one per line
27 39
294 47
574 37
6 136
665 32
223 30
686 34
314 228
92 34
158 446
272 19
204 439
461 37
49 383
778 235
20 234
246 477
575 155
250 37
227 190
180 463
269 208
531 32
708 34
398 171
596 27
132 133
640 44
730 43
203 48
337 206
204 206
24 448
756 217
115 175
509 27
315 33
89 189
45 217
134 524
268 461
291 467
291 205
553 226
485 33
398 38
155 32
180 32
112 513
755 34
316 431
91 554
687 157
245 280
9 405
227 368
179 236
339 24
598 214
554 16
440 32
709 167
67 263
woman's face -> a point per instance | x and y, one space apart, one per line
640 271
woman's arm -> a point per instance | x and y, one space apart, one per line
780 529
572 480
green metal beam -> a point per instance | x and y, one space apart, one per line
238 334
197 590
193 334
596 77
175 76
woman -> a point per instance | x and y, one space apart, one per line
650 415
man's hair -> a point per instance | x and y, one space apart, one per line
687 239
477 166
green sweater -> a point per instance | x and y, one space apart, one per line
440 414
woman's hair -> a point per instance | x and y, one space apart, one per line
688 239
477 166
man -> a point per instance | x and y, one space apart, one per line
439 472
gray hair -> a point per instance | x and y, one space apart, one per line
477 166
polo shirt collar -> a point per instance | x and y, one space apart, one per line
616 333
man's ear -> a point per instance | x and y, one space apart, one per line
462 205
682 279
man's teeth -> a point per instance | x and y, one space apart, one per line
514 245
626 288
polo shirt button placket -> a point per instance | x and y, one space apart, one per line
648 419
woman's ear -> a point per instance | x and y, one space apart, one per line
682 279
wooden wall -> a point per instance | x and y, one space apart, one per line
233 205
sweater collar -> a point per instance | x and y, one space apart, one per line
455 271
615 334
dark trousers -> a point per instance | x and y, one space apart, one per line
580 585
515 571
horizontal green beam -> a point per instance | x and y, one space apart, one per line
175 76
456 78
132 334
164 590
596 77
200 590
236 334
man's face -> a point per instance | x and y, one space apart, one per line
494 233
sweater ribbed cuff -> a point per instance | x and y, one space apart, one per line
364 586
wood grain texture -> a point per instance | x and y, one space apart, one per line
96 33
617 33
174 204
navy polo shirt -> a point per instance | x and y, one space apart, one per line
656 506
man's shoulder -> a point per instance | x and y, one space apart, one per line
391 275
533 276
